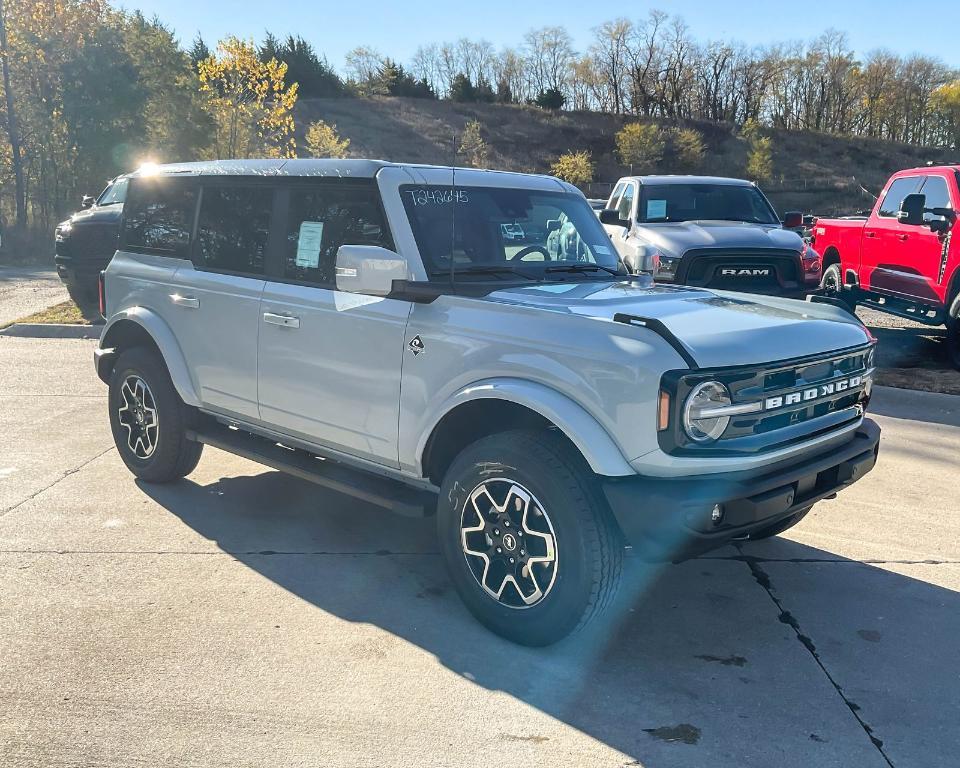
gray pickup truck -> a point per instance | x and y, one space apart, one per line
378 329
709 232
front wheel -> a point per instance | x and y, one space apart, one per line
832 285
530 544
149 420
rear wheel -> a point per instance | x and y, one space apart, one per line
832 285
149 420
530 544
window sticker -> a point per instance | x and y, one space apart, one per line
656 209
308 244
601 250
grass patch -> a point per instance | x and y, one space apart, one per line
67 313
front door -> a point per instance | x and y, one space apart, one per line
885 240
329 362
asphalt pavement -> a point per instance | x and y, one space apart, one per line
245 618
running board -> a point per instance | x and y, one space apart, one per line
905 309
383 492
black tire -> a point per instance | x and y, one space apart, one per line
779 527
582 578
172 455
953 341
831 283
85 297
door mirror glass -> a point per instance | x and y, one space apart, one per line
792 220
86 201
612 217
911 209
369 269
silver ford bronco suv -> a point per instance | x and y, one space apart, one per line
404 334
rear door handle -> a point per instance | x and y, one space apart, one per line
287 321
190 302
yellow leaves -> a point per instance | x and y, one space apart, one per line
640 145
473 149
574 167
324 141
249 101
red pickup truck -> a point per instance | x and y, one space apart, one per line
902 258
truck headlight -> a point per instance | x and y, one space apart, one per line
666 267
704 419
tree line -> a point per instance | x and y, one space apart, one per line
90 91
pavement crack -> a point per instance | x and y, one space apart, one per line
786 617
62 477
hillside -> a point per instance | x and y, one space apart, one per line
815 173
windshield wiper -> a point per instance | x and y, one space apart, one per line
491 269
583 268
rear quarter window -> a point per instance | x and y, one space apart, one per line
158 216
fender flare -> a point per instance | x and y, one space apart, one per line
158 330
582 429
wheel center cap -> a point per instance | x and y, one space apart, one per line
509 542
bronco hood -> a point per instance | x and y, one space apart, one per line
675 239
719 328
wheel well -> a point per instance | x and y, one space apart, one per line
470 422
830 257
126 334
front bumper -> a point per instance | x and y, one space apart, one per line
672 518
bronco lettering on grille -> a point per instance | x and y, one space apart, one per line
814 393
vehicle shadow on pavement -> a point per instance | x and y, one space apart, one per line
766 654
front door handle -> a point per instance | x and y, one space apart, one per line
287 321
902 238
869 234
190 302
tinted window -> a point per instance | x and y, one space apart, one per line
509 230
938 195
898 190
693 202
625 206
323 218
114 193
233 228
158 216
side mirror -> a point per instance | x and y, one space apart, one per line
792 220
553 225
612 217
369 269
911 209
87 201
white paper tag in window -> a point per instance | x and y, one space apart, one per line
656 209
308 244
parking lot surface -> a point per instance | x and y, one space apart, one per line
25 290
242 617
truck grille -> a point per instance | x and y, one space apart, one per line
798 400
745 269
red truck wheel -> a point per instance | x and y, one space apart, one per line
832 285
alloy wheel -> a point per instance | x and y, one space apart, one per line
509 543
138 415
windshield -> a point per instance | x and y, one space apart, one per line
115 192
697 202
499 232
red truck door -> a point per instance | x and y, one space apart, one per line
927 251
885 240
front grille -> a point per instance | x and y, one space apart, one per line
741 269
800 399
89 242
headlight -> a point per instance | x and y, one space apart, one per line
700 421
666 267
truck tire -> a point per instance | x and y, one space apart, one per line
832 285
531 546
953 341
779 527
149 420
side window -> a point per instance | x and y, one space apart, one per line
898 190
321 219
625 206
615 197
233 229
158 216
938 195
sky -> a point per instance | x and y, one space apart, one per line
397 28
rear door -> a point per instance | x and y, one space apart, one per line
214 309
330 361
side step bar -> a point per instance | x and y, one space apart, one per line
919 313
384 492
